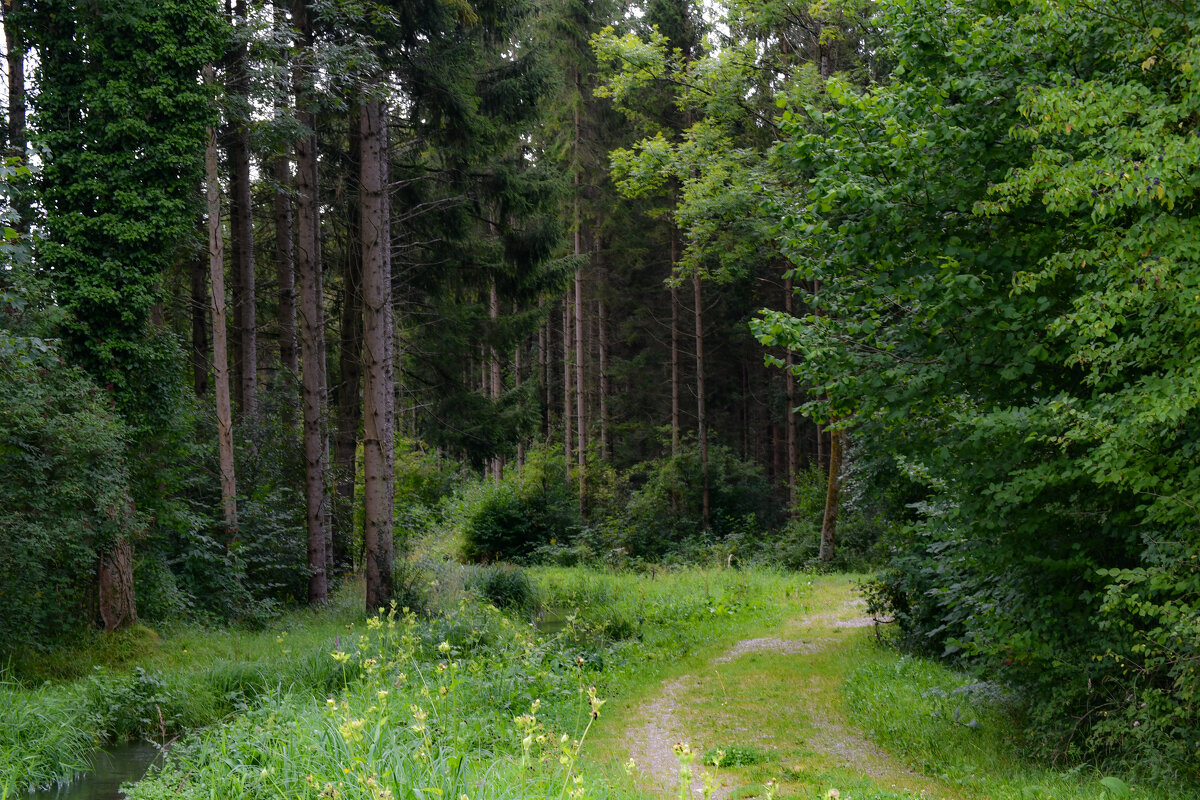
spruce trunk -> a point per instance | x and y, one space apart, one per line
312 323
216 268
378 411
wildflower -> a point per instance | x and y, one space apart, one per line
832 794
340 657
382 693
630 766
444 647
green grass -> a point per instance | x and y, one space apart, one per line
963 732
476 701
843 713
137 684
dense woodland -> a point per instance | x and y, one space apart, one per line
291 286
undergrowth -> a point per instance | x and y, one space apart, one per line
366 708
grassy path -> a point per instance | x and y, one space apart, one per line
783 708
772 703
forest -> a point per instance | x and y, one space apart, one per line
401 327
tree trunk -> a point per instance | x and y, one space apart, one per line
544 375
114 578
216 269
198 304
790 414
568 432
496 465
242 231
349 385
312 322
605 381
378 421
832 496
285 267
580 397
518 363
701 410
675 427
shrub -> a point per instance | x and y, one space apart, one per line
666 508
505 586
64 494
510 519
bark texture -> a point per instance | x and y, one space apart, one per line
312 323
701 408
285 265
378 391
349 381
114 578
216 268
242 231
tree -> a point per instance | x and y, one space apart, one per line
120 106
1006 272
378 409
312 313
221 394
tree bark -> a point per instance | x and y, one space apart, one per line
701 409
242 231
114 578
580 396
790 415
675 427
832 496
285 266
378 412
312 322
496 465
349 385
605 381
544 375
216 269
518 364
568 432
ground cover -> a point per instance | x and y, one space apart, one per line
398 702
820 709
775 683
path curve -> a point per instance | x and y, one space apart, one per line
652 744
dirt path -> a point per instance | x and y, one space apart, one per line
743 695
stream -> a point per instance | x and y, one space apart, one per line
110 768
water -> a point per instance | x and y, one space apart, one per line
110 768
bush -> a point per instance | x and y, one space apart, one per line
505 586
64 494
531 508
666 510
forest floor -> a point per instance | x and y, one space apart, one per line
787 710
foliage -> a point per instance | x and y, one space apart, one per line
64 496
1006 259
121 116
664 509
510 519
505 586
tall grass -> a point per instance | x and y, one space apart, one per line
472 702
271 692
950 726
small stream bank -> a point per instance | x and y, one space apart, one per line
109 769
